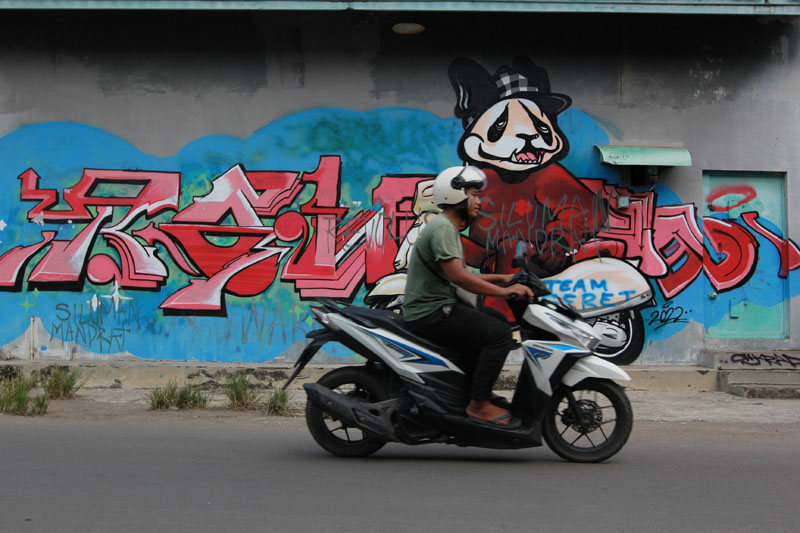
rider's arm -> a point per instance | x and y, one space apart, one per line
496 278
455 272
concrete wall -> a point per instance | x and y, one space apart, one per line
283 101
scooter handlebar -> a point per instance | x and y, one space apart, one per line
530 280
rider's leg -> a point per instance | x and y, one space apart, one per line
490 331
497 342
467 330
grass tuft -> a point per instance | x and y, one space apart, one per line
157 399
15 396
241 393
276 403
185 397
40 404
191 396
63 384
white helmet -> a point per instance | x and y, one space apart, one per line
450 186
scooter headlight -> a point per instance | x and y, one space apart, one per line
587 339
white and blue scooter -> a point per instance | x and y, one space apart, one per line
410 392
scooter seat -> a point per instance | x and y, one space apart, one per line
393 322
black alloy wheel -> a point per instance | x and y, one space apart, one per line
331 433
589 422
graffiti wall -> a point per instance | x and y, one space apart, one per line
213 254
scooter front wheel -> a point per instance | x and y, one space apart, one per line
589 422
331 433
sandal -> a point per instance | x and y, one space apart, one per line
513 423
501 402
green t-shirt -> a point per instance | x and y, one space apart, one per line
427 291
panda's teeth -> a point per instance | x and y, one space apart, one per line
528 157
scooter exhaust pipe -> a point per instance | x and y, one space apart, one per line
350 412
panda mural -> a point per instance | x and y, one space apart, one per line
511 131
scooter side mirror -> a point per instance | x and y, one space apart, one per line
520 260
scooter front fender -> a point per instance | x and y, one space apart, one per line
593 367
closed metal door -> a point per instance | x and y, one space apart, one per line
744 228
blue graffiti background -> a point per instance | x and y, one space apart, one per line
371 144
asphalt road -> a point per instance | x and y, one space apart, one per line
246 472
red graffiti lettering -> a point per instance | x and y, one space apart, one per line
633 227
63 263
157 192
207 295
737 249
319 264
788 250
333 263
329 259
746 192
394 195
153 235
31 192
669 243
211 258
234 238
13 261
236 193
154 192
680 242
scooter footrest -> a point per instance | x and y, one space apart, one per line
468 433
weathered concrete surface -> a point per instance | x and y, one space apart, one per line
137 374
672 378
759 390
748 359
707 91
657 393
689 407
758 373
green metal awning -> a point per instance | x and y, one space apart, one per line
645 156
674 7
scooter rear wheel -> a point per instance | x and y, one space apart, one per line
331 433
589 422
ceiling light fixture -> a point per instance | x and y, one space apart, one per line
408 28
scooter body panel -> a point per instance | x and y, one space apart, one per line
407 358
600 286
593 367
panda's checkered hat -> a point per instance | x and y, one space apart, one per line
511 83
529 81
477 89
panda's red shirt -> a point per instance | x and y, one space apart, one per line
549 202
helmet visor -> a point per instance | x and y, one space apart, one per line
462 181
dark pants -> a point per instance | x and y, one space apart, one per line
482 339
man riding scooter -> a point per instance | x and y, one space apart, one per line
432 310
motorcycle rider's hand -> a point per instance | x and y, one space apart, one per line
518 292
507 279
551 254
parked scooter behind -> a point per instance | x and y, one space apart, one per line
410 392
607 292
